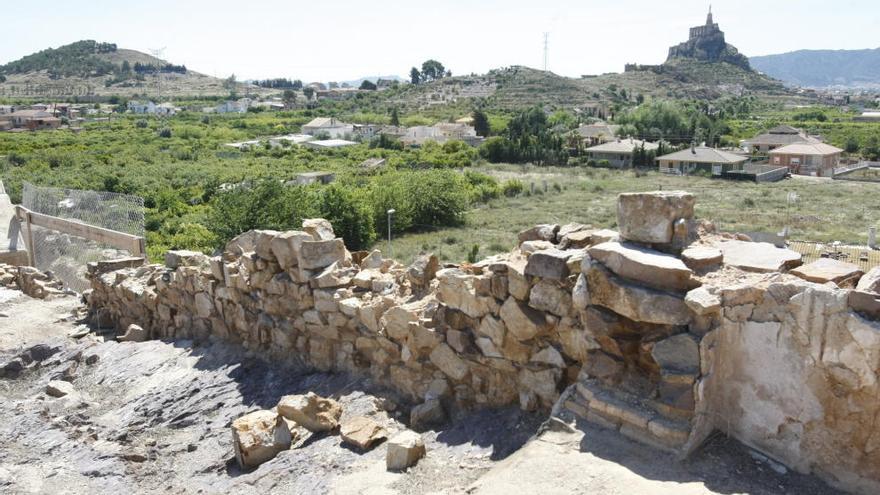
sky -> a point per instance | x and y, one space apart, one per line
342 40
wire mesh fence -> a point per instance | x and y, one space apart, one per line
65 255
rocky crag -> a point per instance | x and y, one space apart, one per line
664 331
707 44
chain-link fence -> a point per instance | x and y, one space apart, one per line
66 255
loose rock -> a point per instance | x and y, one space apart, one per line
404 450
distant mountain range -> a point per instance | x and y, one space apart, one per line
823 68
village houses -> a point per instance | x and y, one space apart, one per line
777 137
817 159
700 159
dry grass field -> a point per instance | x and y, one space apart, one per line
813 209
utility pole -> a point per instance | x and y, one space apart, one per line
546 45
157 52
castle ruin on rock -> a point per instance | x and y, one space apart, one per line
665 331
706 43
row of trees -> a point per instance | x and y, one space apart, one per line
280 83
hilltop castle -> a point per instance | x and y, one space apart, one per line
707 44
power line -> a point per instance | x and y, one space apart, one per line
546 49
157 53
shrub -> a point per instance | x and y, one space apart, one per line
512 187
165 132
350 215
473 253
141 124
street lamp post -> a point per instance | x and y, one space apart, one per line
390 250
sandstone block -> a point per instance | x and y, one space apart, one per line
362 432
263 243
826 270
530 247
428 413
547 295
456 289
548 263
702 257
258 437
649 217
175 259
423 270
285 247
548 356
646 266
448 361
310 411
521 321
404 450
702 302
679 353
319 229
870 282
544 232
760 257
320 254
635 302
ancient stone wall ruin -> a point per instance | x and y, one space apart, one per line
665 332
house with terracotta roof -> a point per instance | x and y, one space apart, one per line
777 137
619 153
32 120
817 159
701 159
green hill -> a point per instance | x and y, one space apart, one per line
91 68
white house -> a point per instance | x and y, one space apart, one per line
328 126
229 106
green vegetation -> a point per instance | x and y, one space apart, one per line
76 59
822 212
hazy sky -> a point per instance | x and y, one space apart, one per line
345 39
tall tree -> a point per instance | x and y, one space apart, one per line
481 123
415 76
368 85
432 70
395 117
309 92
289 98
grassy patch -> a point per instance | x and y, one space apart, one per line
822 211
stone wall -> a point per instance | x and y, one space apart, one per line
665 332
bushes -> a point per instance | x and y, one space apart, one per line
512 187
433 198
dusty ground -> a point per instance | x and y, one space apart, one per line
154 417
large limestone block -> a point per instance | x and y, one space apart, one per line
448 361
702 302
635 302
285 247
175 259
544 232
549 263
404 450
870 282
423 270
649 217
362 432
258 437
310 411
319 229
826 270
456 289
646 266
320 254
517 282
702 257
522 322
242 243
679 353
547 295
263 243
760 257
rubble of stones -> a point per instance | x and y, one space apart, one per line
611 321
31 281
